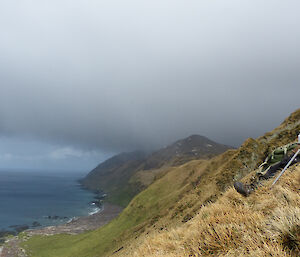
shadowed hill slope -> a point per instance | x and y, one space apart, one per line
190 148
176 199
126 174
112 176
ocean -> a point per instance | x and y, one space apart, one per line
42 198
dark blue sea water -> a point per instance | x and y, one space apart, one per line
26 197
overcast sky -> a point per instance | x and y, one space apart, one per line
81 80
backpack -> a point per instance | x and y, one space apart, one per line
277 155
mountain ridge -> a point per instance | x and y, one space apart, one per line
122 176
194 201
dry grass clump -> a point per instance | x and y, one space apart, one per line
265 224
285 225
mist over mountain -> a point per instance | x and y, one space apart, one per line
192 209
167 104
126 174
113 77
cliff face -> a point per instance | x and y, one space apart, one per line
126 174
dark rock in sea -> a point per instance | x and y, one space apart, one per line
19 228
4 233
55 217
35 224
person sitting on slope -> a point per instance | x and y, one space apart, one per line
278 159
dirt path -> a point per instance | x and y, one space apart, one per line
12 247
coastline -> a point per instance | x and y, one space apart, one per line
81 224
12 248
37 199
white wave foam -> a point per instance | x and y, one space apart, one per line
96 210
72 219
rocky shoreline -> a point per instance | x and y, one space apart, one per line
81 224
14 230
11 248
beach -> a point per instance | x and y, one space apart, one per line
76 226
81 224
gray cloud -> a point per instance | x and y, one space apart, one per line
27 153
120 75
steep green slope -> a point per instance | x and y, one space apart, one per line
267 223
112 176
170 201
123 176
191 148
143 211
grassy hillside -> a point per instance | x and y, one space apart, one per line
265 224
176 199
184 150
112 176
142 213
126 174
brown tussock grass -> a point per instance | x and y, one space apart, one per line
200 184
267 223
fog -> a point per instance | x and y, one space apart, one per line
113 76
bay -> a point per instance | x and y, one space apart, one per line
49 198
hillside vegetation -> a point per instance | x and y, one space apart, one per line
112 177
192 210
126 174
265 224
